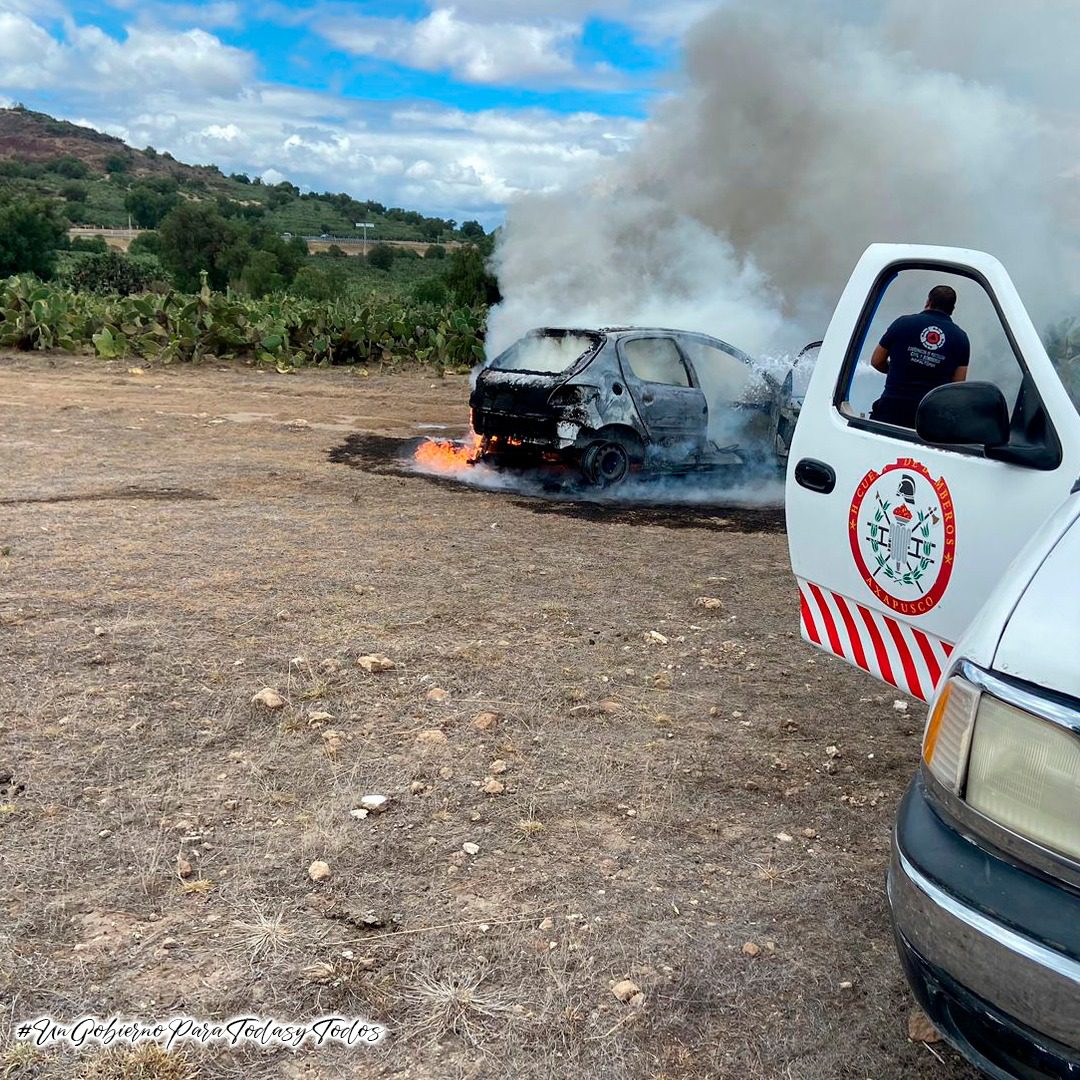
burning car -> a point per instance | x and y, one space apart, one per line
616 401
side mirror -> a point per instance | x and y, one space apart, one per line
965 413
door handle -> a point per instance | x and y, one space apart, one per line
815 476
647 398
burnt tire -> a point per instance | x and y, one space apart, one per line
606 464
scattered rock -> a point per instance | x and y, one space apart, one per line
359 813
785 838
900 706
492 786
497 767
332 742
847 984
268 699
417 787
316 716
183 867
438 696
470 848
710 603
431 737
99 631
548 924
810 834
654 637
318 871
920 1029
832 751
750 949
446 773
485 721
376 804
625 990
662 680
609 706
375 662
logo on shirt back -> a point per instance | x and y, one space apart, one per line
933 337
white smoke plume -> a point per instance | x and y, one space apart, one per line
806 130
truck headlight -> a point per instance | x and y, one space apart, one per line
1024 773
948 732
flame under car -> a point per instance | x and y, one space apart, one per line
614 402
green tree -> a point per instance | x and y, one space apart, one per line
148 205
116 163
30 233
70 167
74 192
381 256
261 274
95 244
469 280
435 251
472 230
146 243
195 237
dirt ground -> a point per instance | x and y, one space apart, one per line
680 795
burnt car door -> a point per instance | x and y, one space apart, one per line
672 408
739 396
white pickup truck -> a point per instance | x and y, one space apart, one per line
945 560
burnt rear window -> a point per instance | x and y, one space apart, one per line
545 354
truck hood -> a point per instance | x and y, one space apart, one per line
1041 640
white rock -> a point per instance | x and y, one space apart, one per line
268 699
470 848
359 813
625 989
375 662
900 706
374 803
654 637
318 871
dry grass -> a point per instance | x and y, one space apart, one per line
645 830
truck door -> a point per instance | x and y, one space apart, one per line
897 537
671 407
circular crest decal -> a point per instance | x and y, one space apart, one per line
902 528
933 337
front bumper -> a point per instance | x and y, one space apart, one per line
988 948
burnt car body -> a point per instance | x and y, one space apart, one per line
789 401
614 401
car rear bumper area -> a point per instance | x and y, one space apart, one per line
1005 999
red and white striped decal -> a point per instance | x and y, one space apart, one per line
896 652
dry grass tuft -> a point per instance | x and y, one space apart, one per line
458 1003
147 1061
264 935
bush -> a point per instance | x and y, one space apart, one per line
319 283
70 167
381 257
30 233
113 273
431 290
148 204
435 251
74 192
94 244
146 243
116 163
469 280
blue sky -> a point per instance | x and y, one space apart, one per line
450 106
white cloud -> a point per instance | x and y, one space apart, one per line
26 52
146 60
474 50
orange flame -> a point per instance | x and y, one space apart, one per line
443 456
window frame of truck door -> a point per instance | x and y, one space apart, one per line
884 280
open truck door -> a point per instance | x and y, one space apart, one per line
897 535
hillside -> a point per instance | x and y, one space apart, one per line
91 174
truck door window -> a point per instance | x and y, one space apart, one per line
655 360
993 358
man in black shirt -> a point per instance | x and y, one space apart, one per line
917 353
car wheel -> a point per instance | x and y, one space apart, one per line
606 464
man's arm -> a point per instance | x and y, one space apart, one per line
880 360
